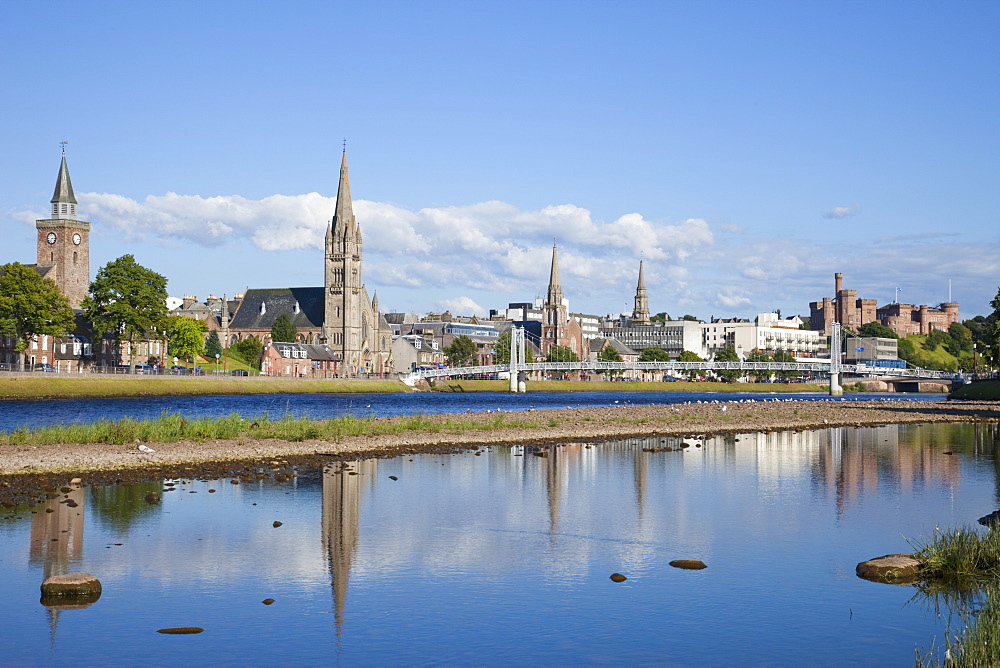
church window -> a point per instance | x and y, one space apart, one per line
74 257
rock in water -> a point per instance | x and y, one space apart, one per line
182 630
268 601
892 569
72 585
991 519
276 524
618 577
689 564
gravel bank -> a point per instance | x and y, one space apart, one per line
570 424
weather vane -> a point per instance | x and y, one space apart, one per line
63 144
345 144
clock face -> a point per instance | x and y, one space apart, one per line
76 239
51 237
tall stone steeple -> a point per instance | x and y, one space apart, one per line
343 286
640 314
64 242
556 312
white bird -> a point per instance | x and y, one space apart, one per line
143 448
722 409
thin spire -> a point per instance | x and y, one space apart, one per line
642 280
554 272
343 216
64 187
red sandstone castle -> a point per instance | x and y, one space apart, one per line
904 319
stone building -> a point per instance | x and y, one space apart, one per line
903 319
640 314
62 255
339 314
558 328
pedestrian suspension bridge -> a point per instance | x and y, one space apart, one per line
518 369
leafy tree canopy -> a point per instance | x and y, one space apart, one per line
659 317
127 300
249 350
283 330
961 339
185 337
31 305
877 330
728 354
688 356
689 317
562 354
462 352
654 355
609 354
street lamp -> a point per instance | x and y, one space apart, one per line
216 364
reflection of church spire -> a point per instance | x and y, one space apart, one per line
553 486
640 474
57 541
341 526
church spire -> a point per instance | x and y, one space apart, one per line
63 200
555 289
343 217
640 315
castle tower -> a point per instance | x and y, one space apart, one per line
556 312
640 314
64 242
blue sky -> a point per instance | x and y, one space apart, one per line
745 150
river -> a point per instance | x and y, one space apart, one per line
42 412
500 557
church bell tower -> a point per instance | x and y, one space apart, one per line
64 242
343 286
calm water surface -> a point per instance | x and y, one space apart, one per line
503 558
14 414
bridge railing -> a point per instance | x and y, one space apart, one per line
801 367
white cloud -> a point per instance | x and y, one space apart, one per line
843 211
461 306
731 300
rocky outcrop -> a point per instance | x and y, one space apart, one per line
70 591
891 568
689 564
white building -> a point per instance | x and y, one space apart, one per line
768 334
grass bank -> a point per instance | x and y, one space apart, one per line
50 386
983 390
174 427
462 385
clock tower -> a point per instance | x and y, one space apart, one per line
64 242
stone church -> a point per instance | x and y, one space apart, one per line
340 314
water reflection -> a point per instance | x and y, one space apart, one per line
342 487
508 533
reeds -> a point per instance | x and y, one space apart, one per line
173 427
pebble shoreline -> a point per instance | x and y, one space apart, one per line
559 425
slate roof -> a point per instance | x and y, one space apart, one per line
276 301
597 345
320 352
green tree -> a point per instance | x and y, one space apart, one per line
127 300
727 354
784 356
461 352
961 339
249 350
688 356
689 317
654 355
185 337
562 354
757 355
659 317
213 346
877 330
502 347
31 305
936 338
283 330
609 354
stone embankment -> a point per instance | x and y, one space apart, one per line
569 424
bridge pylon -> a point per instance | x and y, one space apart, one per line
518 376
836 390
